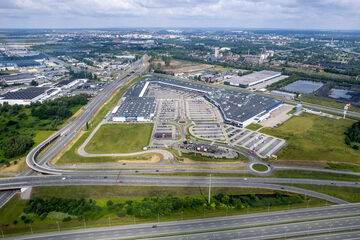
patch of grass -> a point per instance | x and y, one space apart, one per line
12 210
120 138
314 138
350 194
344 167
292 111
260 167
253 126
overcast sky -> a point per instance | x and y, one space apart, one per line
289 14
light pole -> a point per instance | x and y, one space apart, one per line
209 197
58 225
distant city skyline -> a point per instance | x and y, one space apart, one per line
275 14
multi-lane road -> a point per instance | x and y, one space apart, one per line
249 226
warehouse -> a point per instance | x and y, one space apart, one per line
252 79
24 96
242 109
16 78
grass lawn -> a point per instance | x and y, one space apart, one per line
314 138
253 126
350 194
120 138
260 167
13 209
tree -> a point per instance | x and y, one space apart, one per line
34 83
347 140
17 145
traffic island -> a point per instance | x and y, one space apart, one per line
260 168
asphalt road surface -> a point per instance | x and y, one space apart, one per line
346 222
278 231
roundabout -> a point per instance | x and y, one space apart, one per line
260 168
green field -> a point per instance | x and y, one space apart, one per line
260 167
120 194
120 138
350 194
253 126
314 138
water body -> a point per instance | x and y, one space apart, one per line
340 93
303 86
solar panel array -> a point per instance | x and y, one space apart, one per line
26 94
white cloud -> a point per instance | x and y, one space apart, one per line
192 13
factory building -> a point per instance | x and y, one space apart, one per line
24 96
252 79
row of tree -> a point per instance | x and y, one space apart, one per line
151 207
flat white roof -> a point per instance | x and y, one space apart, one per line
254 78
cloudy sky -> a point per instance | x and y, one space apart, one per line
289 14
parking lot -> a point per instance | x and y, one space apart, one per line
199 110
208 131
264 145
168 109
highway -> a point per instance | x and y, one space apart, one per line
278 231
249 226
141 180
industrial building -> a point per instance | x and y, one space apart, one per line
24 96
20 78
252 79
